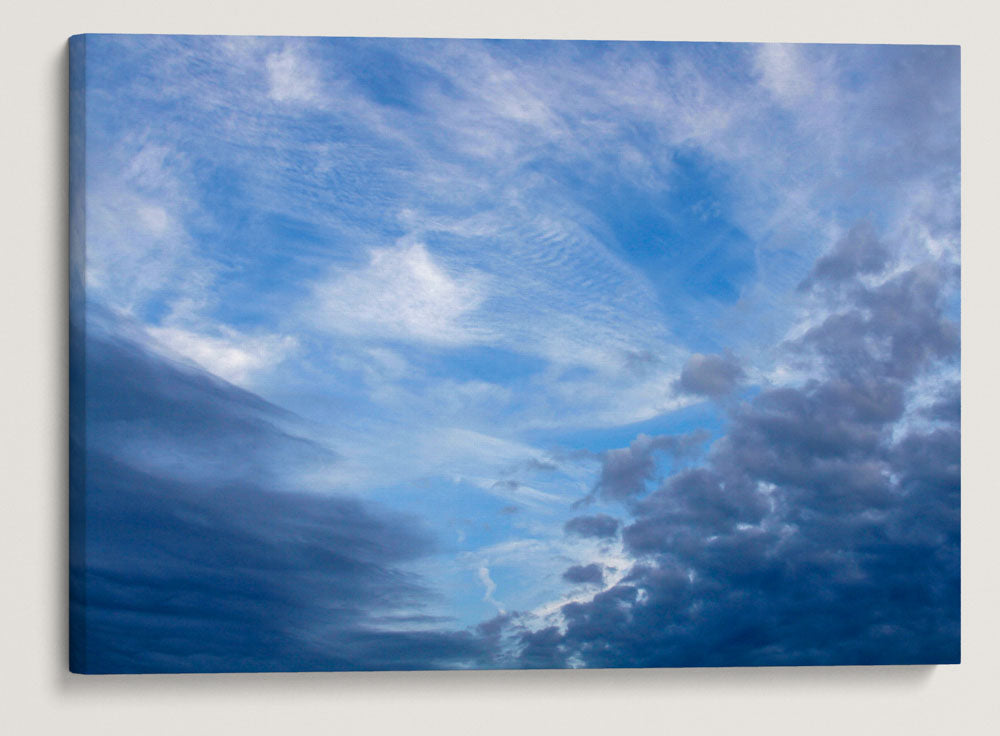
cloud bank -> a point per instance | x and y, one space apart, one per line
824 528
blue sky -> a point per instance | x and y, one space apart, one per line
484 345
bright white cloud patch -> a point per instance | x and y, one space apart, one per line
783 72
402 294
291 78
491 587
155 218
230 355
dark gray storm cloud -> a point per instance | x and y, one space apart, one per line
891 331
216 566
709 375
948 406
823 528
600 526
626 471
592 573
542 649
182 421
858 252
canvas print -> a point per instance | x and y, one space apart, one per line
502 354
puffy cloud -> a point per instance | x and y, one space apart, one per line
592 573
542 649
625 471
858 252
692 504
822 529
709 375
890 330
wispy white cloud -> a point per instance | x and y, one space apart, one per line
231 355
291 78
403 294
538 563
784 73
491 588
505 256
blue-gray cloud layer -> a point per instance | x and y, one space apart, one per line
224 568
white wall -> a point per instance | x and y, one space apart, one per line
36 693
